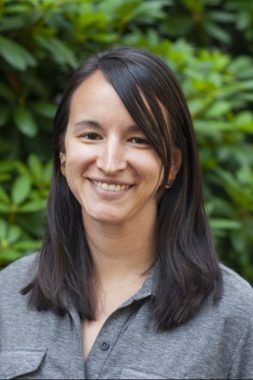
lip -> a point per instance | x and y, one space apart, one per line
109 181
105 194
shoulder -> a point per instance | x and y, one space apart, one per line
236 288
17 275
236 302
236 305
14 309
228 318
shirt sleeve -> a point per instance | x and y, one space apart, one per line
241 363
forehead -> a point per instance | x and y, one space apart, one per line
96 98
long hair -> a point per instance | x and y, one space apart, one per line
187 269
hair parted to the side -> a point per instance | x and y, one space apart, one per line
188 269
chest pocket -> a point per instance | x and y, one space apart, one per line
16 364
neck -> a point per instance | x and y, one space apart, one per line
121 251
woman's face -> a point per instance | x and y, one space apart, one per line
108 163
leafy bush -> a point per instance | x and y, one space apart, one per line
23 193
41 42
223 23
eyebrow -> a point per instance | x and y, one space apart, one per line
90 123
95 124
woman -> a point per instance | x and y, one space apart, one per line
127 283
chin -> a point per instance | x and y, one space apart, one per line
104 217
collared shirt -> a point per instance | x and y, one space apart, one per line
216 344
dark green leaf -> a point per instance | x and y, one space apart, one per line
60 51
25 122
4 197
15 54
4 115
3 229
45 109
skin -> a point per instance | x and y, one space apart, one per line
115 174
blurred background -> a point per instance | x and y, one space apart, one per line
207 43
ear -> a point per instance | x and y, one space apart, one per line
175 165
62 158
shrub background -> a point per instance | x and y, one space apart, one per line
207 43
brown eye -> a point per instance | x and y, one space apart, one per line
91 136
139 141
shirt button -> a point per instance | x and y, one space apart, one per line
105 346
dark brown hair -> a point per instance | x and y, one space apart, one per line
187 268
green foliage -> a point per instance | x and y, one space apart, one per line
23 193
223 23
42 41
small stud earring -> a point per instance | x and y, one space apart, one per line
61 157
169 184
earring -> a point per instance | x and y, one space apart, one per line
169 184
62 165
60 155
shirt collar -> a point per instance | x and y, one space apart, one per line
147 288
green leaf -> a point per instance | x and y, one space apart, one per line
4 208
244 121
3 229
28 245
22 169
225 224
6 92
14 233
35 166
25 122
61 53
15 55
19 21
108 38
221 16
152 9
218 33
247 85
33 206
4 197
196 105
217 109
47 172
7 255
20 189
7 165
45 109
4 116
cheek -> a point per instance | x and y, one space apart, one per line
151 169
78 157
156 169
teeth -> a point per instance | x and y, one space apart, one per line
111 187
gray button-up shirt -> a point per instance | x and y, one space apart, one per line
216 344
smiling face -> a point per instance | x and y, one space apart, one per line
110 167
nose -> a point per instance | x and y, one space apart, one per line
112 157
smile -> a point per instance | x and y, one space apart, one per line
111 186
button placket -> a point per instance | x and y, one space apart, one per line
104 343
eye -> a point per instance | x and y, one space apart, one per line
139 141
91 136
